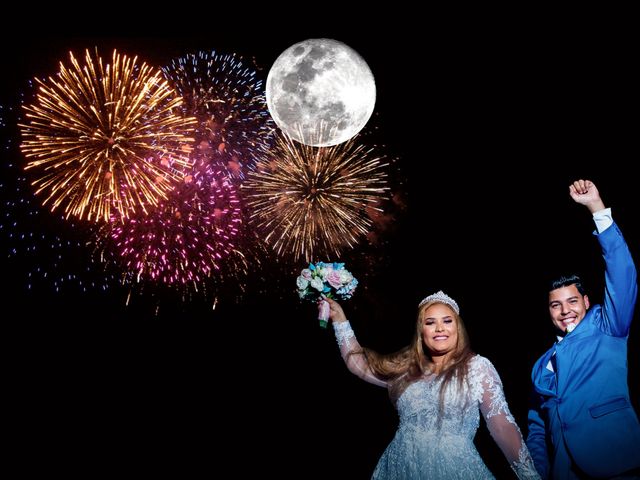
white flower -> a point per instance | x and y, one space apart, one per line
345 276
317 283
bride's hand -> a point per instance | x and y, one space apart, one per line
336 314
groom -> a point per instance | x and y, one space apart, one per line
581 422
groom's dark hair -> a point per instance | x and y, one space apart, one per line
567 280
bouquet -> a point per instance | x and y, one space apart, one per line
322 280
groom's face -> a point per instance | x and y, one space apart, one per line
567 306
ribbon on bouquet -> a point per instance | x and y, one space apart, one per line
323 312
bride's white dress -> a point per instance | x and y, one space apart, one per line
430 444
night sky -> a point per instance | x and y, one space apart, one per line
487 130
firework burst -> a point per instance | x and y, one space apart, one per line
187 239
104 137
234 127
46 253
311 202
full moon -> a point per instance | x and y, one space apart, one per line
320 92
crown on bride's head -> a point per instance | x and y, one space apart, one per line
442 297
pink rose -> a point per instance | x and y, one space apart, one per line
334 279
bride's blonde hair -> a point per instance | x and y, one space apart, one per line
410 363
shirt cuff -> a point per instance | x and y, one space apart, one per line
603 219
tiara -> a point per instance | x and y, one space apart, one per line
441 297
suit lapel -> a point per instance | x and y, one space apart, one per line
545 380
566 351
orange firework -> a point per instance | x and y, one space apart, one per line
310 202
105 138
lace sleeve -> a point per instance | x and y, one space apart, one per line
501 424
352 353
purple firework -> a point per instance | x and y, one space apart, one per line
187 239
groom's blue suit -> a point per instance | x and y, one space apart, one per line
581 413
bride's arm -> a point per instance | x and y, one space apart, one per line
350 349
352 353
501 424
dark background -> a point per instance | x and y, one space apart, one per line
489 125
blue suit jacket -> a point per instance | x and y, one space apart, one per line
585 403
